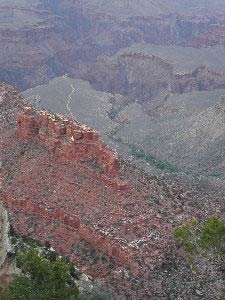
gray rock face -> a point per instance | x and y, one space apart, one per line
11 103
187 130
142 78
5 245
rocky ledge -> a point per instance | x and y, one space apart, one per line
67 139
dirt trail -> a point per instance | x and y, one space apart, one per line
70 96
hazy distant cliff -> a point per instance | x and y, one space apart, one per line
43 39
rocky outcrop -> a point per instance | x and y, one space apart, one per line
5 245
67 139
148 79
201 79
70 223
143 78
11 103
7 265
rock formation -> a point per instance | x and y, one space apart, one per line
143 78
6 263
10 104
115 233
148 79
201 79
67 139
5 245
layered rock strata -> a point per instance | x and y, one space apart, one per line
148 79
44 39
67 139
118 236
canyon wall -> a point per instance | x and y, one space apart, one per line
201 79
147 78
67 139
5 245
120 235
68 224
42 40
143 78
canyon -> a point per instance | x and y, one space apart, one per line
148 80
143 60
194 118
119 234
45 39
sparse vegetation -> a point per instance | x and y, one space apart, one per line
140 154
204 245
197 237
159 164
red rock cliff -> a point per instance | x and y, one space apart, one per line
116 236
67 139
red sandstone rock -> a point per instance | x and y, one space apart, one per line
78 210
27 125
67 139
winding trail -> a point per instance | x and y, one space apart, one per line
70 96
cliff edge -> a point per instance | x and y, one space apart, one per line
66 138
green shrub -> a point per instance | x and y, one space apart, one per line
159 164
41 279
196 236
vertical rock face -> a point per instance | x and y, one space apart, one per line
5 245
149 76
67 139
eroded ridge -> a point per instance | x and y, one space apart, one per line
67 139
